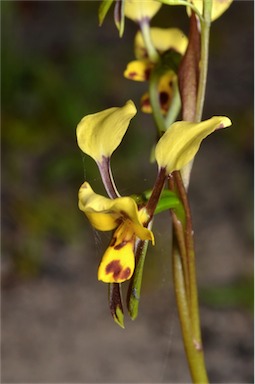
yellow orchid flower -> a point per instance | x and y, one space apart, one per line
163 40
218 7
99 134
140 69
139 10
122 215
181 141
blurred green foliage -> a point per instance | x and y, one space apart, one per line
42 101
238 294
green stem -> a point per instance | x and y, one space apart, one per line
194 307
155 103
184 270
205 35
146 33
134 289
175 106
194 353
205 23
183 2
156 192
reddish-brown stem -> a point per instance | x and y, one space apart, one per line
156 192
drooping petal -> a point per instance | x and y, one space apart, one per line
99 134
118 261
138 70
117 265
163 40
138 10
218 7
181 141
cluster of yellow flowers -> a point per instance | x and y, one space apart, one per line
99 135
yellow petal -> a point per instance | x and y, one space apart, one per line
138 70
181 141
117 264
163 40
218 7
99 134
106 214
138 10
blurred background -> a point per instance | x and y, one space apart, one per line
57 66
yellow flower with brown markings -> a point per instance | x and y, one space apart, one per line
141 68
122 216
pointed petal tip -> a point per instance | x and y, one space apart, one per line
118 317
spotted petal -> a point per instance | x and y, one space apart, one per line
138 70
117 264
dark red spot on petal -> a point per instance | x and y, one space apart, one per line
146 102
147 73
121 245
113 241
131 75
163 97
126 273
116 269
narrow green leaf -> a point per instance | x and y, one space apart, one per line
134 290
119 16
168 200
103 10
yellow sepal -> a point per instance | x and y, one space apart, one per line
163 40
181 141
138 10
117 264
99 134
218 7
